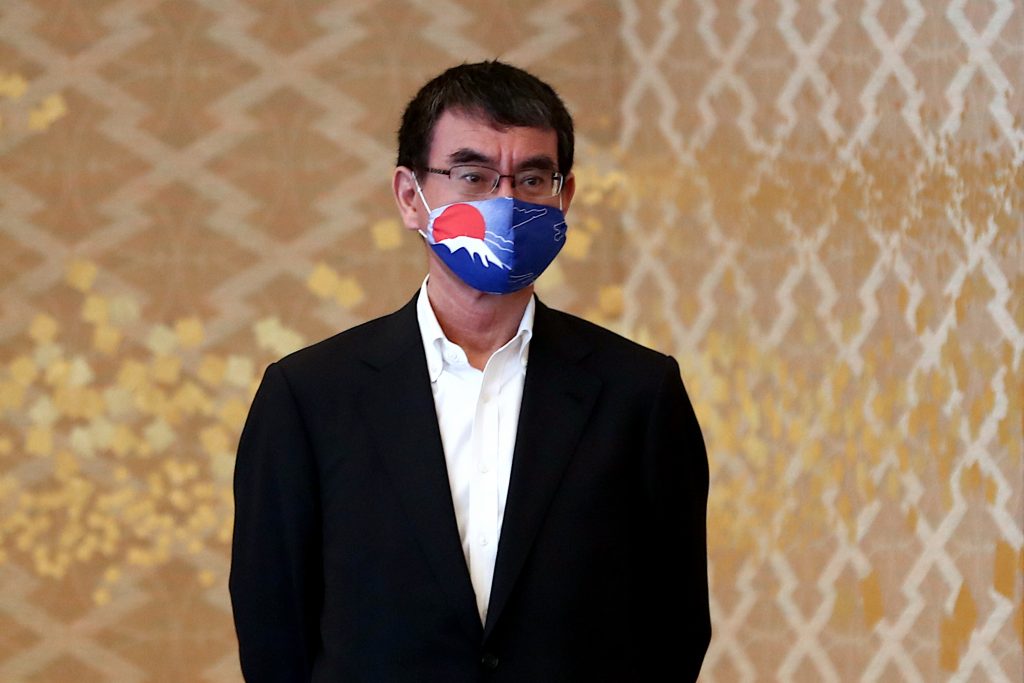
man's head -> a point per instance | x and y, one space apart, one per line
472 136
499 94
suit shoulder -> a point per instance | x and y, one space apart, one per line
609 354
608 342
346 351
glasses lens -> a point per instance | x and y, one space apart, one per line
473 181
479 181
537 183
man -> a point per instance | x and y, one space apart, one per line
475 487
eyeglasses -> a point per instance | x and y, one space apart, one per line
480 181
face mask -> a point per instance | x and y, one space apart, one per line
497 245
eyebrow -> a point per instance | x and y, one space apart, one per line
466 155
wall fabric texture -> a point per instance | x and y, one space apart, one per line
815 206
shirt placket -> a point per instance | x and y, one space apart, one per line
484 492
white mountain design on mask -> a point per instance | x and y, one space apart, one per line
474 247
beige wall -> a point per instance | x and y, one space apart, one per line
815 206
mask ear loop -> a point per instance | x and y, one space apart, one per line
424 200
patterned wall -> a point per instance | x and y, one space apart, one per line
815 205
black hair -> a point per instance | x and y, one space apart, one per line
499 93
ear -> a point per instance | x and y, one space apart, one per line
410 206
568 190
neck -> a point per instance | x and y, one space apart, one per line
480 323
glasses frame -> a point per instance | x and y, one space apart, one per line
557 178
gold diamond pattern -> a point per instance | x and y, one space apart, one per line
178 71
289 25
286 166
814 205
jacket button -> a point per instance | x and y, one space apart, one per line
489 661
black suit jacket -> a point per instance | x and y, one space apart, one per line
346 559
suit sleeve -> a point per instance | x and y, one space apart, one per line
677 489
276 576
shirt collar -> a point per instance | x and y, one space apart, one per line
435 342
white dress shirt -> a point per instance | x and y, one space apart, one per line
477 413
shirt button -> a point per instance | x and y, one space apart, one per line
484 469
483 540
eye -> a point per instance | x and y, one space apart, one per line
473 179
533 180
469 178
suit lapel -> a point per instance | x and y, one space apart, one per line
399 409
558 396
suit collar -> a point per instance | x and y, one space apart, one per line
399 409
398 333
558 397
562 339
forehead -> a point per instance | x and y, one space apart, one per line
456 130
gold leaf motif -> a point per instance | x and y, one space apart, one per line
214 440
43 412
189 332
349 293
94 310
211 370
123 310
551 280
119 401
81 275
166 369
12 85
43 328
159 435
106 339
238 371
52 108
38 441
162 340
233 413
387 234
23 370
273 336
577 245
323 281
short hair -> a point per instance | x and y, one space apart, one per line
499 93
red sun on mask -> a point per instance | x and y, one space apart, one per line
459 220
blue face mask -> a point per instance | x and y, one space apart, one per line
497 245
